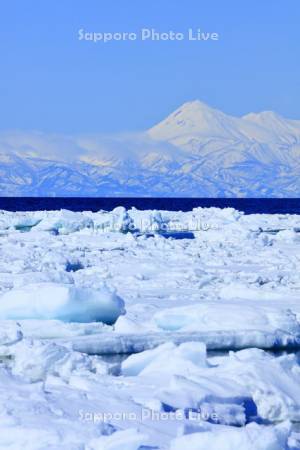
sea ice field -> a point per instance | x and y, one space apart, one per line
143 330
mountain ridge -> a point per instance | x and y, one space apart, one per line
195 151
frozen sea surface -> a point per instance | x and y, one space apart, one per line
75 286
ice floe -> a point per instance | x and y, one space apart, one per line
78 290
60 301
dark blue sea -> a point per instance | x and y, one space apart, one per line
248 205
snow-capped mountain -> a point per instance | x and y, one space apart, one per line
195 151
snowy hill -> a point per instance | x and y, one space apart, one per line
195 151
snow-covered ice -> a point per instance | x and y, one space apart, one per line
76 288
226 438
61 301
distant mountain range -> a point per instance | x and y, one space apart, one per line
197 151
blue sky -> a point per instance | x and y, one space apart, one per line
51 81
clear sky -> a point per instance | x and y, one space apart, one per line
51 81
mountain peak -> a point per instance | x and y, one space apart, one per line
284 130
194 111
194 105
263 116
194 118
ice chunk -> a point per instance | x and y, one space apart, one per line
272 382
51 329
150 221
116 343
135 364
63 302
19 220
125 325
117 220
267 387
184 359
214 316
10 332
34 360
130 439
219 437
64 222
121 220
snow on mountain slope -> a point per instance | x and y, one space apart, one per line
196 151
287 131
195 119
